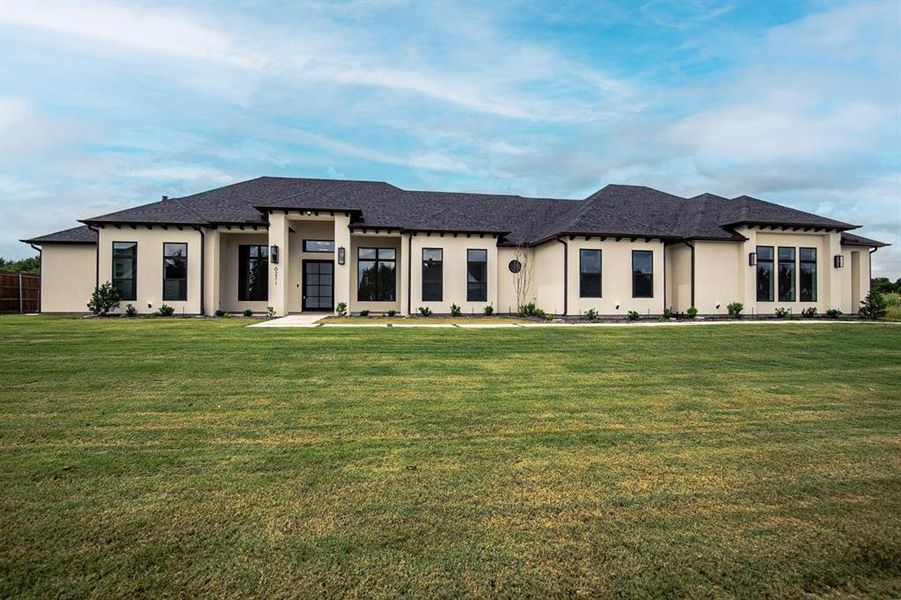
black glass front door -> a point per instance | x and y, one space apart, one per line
318 285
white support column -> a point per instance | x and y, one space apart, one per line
832 282
211 272
747 280
278 273
343 273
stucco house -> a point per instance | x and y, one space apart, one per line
300 245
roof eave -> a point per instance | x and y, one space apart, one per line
837 226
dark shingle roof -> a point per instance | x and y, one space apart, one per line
76 235
616 210
849 239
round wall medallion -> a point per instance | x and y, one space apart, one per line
515 266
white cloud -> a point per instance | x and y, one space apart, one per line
181 173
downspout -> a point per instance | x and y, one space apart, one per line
692 246
409 272
96 257
664 276
40 270
870 267
565 275
202 268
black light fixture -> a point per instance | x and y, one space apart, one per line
341 255
273 254
838 261
752 259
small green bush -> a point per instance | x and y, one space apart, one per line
667 314
591 314
455 310
364 313
891 299
391 313
248 312
220 313
833 313
341 309
633 315
165 310
810 311
783 313
130 310
735 309
104 299
692 312
873 306
530 310
270 311
425 311
489 310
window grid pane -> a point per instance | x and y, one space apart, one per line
589 273
253 273
765 269
125 255
642 274
175 271
807 277
376 275
786 274
432 274
476 275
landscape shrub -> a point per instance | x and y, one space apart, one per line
165 310
833 313
692 312
667 314
591 314
341 309
364 313
783 313
425 311
810 311
455 310
130 310
530 310
391 313
104 299
270 311
219 312
735 309
891 299
873 306
633 315
248 312
489 310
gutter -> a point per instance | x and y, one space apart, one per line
97 255
870 264
202 268
565 275
409 272
40 270
692 246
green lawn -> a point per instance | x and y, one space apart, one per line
200 457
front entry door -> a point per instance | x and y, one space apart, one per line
318 285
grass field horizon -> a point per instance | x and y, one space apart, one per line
193 457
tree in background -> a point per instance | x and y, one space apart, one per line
884 285
30 265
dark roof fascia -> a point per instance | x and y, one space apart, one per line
865 245
604 234
136 224
364 226
39 242
268 209
795 226
738 238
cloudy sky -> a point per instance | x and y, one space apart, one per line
109 105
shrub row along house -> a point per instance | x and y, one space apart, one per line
299 245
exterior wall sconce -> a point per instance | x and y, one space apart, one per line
838 261
752 259
273 254
341 255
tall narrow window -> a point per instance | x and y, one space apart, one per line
786 274
765 273
432 274
589 273
253 273
175 271
476 275
807 277
642 274
376 274
125 266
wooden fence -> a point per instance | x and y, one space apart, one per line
20 293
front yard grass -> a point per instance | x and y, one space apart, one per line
201 457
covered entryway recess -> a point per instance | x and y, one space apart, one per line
318 285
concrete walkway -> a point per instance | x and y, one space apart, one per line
313 320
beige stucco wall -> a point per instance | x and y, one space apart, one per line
67 277
716 277
616 277
678 280
150 265
454 271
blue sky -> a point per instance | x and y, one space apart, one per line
109 105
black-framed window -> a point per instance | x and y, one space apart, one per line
376 274
476 275
765 273
589 273
786 277
253 272
807 274
642 274
319 246
125 270
432 274
175 271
